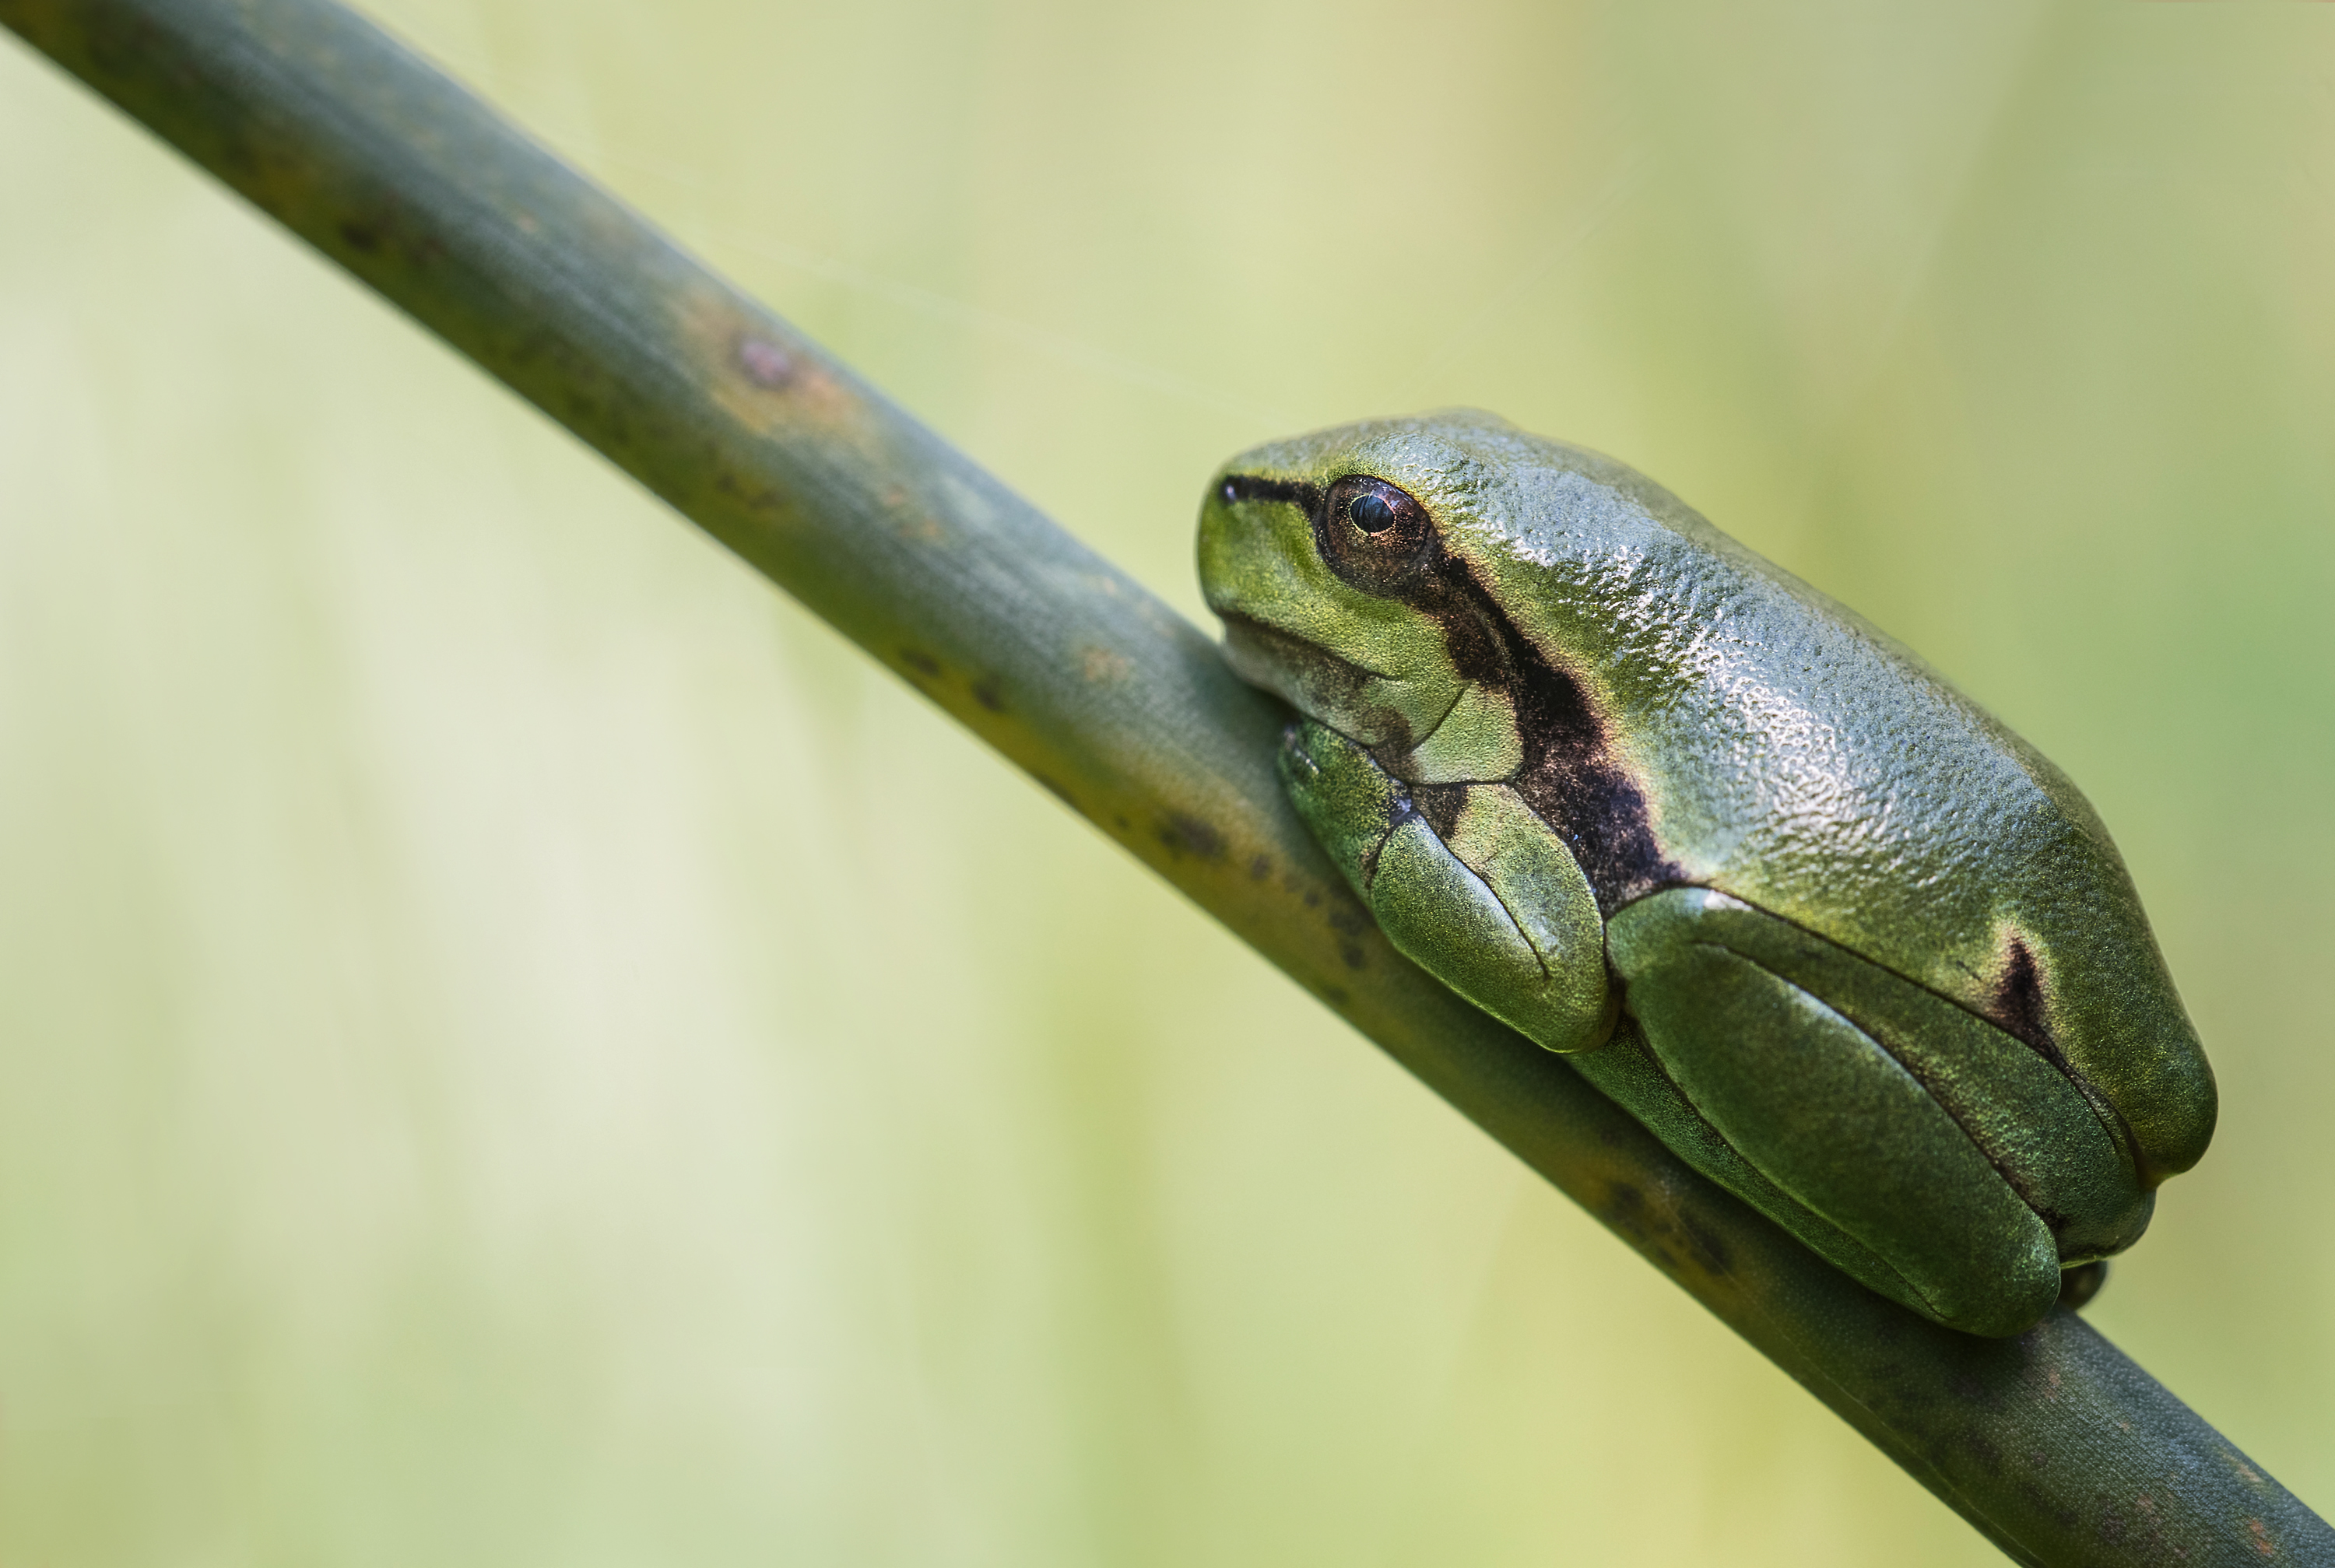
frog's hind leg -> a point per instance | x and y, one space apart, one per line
1627 1073
1829 1115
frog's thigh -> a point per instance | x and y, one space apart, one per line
1827 1115
2032 1122
1526 958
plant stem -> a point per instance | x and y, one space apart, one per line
2056 1446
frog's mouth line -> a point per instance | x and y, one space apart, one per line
1262 646
1324 685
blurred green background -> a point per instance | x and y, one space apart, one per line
516 1046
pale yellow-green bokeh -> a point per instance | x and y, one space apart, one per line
517 1046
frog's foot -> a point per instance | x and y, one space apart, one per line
1466 880
1946 1147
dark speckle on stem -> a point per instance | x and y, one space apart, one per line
761 497
985 692
1626 1207
361 236
1352 952
1704 1244
922 663
1185 834
1260 869
1970 1389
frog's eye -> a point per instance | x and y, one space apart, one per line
1370 512
1373 534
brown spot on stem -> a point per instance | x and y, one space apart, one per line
766 364
1103 664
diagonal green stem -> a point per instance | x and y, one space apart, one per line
2056 1446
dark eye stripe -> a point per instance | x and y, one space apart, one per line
1257 487
1571 777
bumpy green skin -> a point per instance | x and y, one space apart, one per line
1835 935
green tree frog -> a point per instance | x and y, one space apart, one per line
1830 931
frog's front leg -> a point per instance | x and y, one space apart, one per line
1467 882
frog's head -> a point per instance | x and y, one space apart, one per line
1325 558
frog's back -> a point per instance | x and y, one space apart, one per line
1785 752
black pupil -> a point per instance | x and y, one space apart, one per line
1370 513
